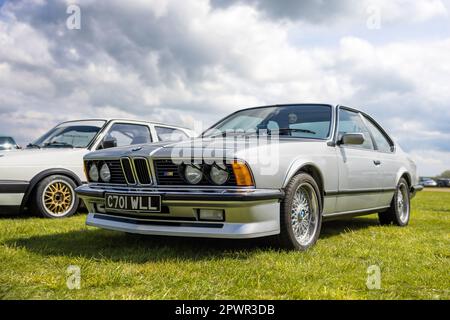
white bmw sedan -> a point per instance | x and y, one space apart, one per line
267 171
43 176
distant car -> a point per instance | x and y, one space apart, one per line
427 182
443 183
8 143
45 174
329 162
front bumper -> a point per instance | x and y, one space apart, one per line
249 213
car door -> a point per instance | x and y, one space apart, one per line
359 182
388 166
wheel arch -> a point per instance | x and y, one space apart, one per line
314 171
44 174
406 175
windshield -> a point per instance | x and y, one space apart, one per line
77 134
7 143
298 121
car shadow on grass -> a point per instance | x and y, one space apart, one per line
116 246
336 227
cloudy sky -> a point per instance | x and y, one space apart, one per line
182 61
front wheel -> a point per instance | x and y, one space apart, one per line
300 216
55 197
400 210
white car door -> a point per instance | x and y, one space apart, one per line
359 181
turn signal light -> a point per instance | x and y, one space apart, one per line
243 175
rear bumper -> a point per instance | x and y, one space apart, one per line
248 213
415 189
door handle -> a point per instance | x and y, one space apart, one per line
377 162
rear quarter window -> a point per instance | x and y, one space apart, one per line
170 134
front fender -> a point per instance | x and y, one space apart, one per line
297 166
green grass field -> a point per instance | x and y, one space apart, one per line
414 261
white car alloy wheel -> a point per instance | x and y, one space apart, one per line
304 214
58 198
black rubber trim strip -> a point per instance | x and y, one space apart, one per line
159 223
191 196
223 197
13 186
357 192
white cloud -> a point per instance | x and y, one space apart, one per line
430 162
178 61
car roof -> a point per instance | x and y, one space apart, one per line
333 105
126 120
290 104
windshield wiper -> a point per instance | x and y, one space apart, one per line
58 144
33 145
294 130
233 134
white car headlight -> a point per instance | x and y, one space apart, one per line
219 174
105 174
93 173
193 174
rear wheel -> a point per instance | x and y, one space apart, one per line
300 216
55 197
400 210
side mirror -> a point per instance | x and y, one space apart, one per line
108 143
352 139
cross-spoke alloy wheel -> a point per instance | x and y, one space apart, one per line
55 197
58 198
399 212
301 216
304 213
403 203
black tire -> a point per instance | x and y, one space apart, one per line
287 238
396 214
61 207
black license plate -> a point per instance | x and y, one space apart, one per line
133 203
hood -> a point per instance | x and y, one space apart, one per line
208 147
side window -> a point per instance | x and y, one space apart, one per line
121 134
381 141
351 122
170 134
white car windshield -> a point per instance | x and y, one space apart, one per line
7 143
296 121
76 134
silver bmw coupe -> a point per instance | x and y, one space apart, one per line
274 171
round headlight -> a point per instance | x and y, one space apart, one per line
193 174
93 173
219 174
105 174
